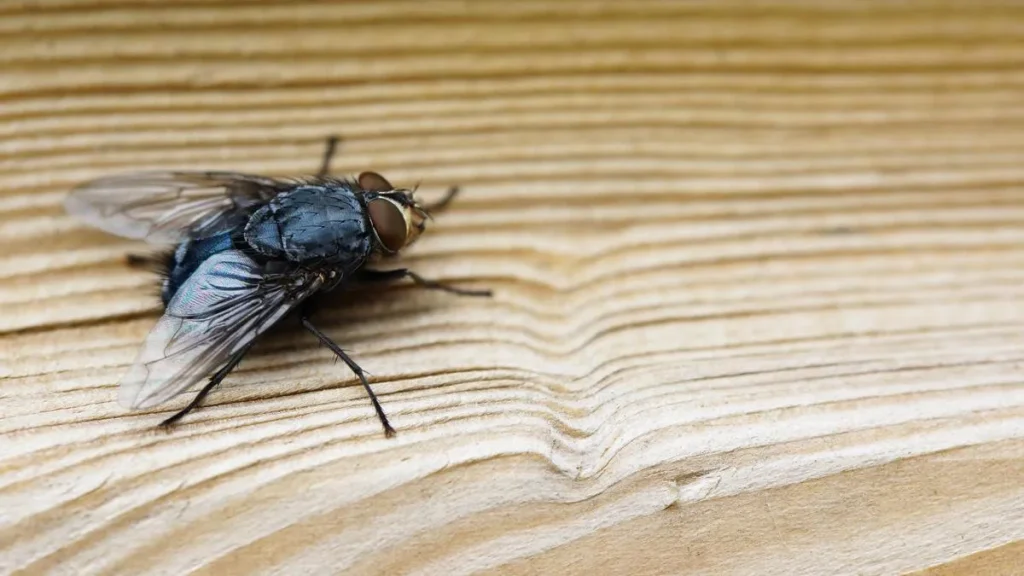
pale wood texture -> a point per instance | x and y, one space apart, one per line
758 270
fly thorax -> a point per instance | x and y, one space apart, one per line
262 231
312 224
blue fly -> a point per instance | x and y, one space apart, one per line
250 249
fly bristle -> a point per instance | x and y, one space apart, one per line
326 180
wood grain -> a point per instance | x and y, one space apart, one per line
758 274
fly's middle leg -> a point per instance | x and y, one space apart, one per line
326 341
329 150
398 274
145 261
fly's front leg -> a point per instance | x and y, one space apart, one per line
392 275
443 202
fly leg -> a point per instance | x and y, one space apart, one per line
214 380
398 274
144 261
325 164
326 341
443 202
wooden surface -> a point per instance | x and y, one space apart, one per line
758 270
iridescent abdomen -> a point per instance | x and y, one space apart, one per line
187 258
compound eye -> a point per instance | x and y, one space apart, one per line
388 220
373 182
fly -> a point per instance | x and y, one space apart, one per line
250 249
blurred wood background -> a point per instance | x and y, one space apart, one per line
758 273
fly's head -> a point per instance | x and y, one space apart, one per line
396 217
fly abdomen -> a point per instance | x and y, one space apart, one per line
187 258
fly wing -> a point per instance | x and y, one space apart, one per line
223 306
170 206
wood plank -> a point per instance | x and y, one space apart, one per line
758 275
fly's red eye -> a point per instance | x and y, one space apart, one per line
373 182
389 223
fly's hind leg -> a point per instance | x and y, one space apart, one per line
214 381
325 164
145 261
398 274
326 341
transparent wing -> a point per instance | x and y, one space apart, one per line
226 303
170 206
